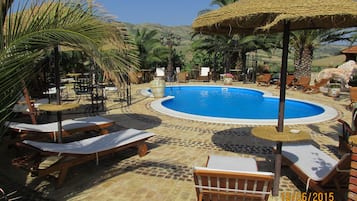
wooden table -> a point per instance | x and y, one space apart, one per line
56 108
288 135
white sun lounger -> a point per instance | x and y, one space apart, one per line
69 126
319 171
77 152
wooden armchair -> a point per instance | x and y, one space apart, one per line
182 77
204 74
232 178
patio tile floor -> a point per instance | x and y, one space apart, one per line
165 173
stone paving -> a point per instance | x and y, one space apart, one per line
165 173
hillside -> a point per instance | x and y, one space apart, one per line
184 32
324 56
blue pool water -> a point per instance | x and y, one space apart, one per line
230 102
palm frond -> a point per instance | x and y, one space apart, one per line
32 29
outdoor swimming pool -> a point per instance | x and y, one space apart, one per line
237 105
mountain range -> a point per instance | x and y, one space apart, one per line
325 55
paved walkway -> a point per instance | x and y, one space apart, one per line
166 172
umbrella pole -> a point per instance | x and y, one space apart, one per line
283 74
58 94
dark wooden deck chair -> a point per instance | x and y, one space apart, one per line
352 187
302 82
78 152
316 87
69 126
317 170
343 144
232 178
264 80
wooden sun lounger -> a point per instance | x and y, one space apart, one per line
302 82
289 81
316 88
319 171
78 152
69 126
264 80
232 178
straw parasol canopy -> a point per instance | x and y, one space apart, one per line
257 16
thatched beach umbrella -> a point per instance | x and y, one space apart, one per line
265 16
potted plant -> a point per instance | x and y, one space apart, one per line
334 88
353 90
227 79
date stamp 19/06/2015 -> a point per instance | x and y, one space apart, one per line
307 196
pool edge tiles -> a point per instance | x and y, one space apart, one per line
328 114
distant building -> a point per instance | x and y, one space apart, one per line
350 53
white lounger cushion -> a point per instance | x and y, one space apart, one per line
94 144
233 163
68 124
315 163
234 171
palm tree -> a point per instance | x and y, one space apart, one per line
213 45
234 48
219 3
149 47
304 42
33 28
219 48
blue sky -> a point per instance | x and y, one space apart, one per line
165 12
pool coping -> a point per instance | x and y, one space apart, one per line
329 113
